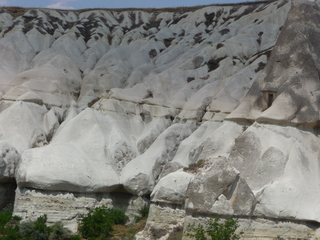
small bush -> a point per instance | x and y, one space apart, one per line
75 237
58 232
99 222
26 229
215 230
37 230
117 216
9 224
40 230
143 213
11 233
5 217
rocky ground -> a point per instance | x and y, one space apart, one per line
117 107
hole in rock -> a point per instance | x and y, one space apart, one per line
90 104
121 198
153 53
268 98
213 64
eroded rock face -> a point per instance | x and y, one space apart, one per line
290 79
220 190
100 103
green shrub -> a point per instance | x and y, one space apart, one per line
99 222
40 230
215 230
58 232
117 215
9 224
25 229
11 233
75 237
143 213
5 217
37 230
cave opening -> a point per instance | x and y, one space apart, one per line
268 98
7 193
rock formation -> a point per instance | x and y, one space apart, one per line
196 111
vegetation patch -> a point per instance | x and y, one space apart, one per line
37 230
128 232
90 104
215 229
224 31
213 64
177 234
167 41
220 45
261 66
143 213
99 222
12 229
153 53
176 20
190 79
59 232
209 18
198 38
9 225
194 167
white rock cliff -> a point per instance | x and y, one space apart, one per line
117 107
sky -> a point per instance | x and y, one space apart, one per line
78 4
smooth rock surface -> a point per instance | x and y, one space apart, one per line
172 188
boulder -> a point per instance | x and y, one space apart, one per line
206 188
280 160
65 167
172 188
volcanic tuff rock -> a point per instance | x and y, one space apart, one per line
198 111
